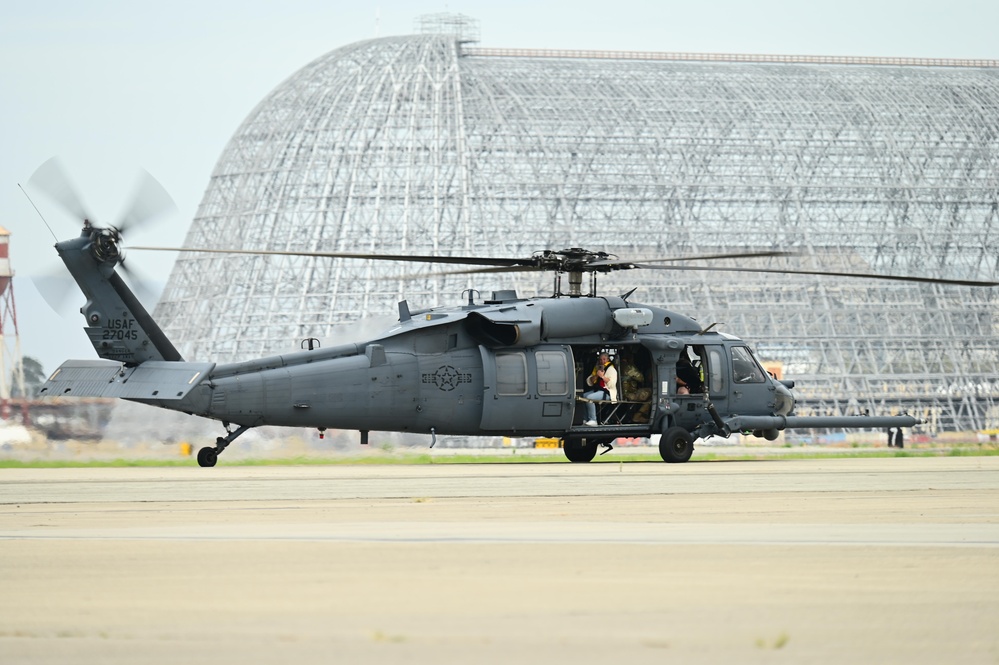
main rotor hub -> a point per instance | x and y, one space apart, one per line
574 261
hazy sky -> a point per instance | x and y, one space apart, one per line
114 85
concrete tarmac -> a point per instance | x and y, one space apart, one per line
845 560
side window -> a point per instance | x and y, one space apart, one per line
553 373
716 361
744 367
511 373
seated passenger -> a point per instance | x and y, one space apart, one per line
603 382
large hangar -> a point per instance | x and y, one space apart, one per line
428 144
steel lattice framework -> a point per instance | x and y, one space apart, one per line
421 145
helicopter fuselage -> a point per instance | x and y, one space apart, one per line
507 366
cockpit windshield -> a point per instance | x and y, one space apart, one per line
745 369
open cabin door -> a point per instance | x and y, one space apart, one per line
708 370
527 390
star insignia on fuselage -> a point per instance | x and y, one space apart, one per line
446 378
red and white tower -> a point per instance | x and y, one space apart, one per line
11 367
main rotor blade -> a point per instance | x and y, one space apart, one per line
149 201
863 275
472 271
607 265
413 258
529 264
733 255
50 179
775 271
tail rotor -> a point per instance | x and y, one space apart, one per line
149 201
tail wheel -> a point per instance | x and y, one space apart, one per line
676 445
207 457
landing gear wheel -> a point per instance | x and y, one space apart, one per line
207 457
579 450
676 446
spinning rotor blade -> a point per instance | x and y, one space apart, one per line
616 264
464 260
607 265
472 271
56 289
520 264
867 275
140 284
774 271
538 263
149 201
50 179
712 257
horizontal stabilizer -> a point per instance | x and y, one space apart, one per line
153 379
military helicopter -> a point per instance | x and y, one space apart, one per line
506 366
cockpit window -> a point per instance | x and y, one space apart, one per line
745 369
716 379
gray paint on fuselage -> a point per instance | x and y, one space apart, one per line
423 373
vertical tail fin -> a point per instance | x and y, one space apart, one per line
118 325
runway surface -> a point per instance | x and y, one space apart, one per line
878 560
